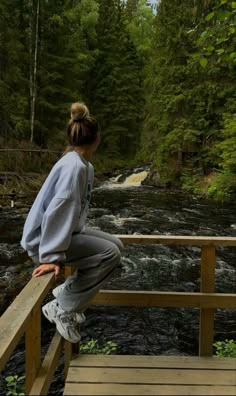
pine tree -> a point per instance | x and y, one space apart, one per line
118 100
13 85
131 8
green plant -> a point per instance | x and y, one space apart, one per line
92 347
223 186
14 385
225 348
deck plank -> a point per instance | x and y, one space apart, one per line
150 375
126 389
161 361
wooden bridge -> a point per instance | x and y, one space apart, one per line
120 374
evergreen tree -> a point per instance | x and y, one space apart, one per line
117 99
13 83
185 102
131 8
140 28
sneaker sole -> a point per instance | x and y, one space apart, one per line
45 312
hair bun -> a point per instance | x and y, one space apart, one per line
79 111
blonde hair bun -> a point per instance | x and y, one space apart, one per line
79 111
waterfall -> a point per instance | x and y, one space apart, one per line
133 180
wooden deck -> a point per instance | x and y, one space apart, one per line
150 375
126 375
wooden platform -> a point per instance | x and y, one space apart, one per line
151 375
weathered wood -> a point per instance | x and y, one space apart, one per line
32 349
68 347
109 389
14 320
178 240
46 372
161 361
164 299
151 376
206 329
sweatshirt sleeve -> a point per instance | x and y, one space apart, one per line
57 227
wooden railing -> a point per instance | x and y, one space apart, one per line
24 314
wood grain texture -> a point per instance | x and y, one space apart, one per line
151 375
49 365
206 329
14 320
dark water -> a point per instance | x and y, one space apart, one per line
137 210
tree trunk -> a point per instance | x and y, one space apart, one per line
33 67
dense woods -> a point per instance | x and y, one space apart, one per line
161 82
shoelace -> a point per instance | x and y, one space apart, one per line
69 319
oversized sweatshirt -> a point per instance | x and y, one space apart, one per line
59 210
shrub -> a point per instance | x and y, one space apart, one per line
225 348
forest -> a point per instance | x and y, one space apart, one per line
161 81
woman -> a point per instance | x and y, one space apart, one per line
55 231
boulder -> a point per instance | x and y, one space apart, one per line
153 179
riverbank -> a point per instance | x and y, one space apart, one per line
16 189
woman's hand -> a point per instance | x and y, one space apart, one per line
45 268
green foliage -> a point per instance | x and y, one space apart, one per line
162 86
14 385
216 35
117 98
140 28
92 347
223 186
225 348
191 181
190 97
227 147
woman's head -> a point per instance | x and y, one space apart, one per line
82 128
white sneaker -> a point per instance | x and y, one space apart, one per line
80 317
66 323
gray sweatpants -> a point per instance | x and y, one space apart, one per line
95 255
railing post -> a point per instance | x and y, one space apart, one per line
206 330
32 349
68 347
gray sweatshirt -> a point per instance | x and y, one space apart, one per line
59 210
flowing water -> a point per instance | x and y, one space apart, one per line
130 208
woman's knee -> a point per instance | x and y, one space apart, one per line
119 244
114 254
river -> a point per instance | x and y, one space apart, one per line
130 208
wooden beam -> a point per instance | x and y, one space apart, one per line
206 328
147 361
163 376
32 349
68 347
109 389
178 240
49 365
164 299
14 320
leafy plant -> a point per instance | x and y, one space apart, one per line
92 347
225 348
223 186
14 385
216 35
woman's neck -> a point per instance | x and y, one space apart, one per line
84 151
